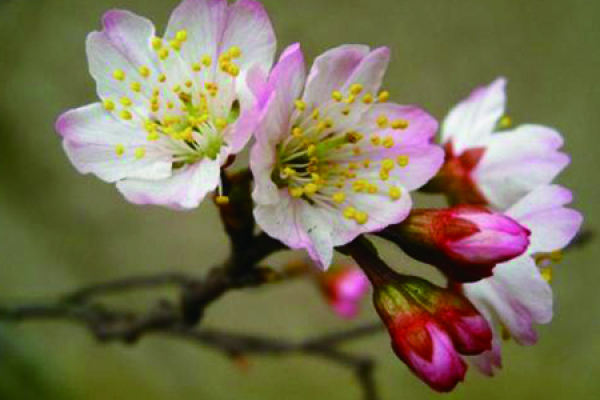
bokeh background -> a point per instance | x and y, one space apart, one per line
59 230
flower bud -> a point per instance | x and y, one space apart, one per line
430 327
344 287
464 242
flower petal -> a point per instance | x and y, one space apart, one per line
123 45
419 160
518 295
185 189
92 137
518 161
331 70
552 226
473 120
248 27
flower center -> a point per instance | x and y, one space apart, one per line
323 161
182 108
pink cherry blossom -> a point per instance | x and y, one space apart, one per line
332 158
518 296
172 109
491 167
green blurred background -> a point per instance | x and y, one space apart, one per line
59 230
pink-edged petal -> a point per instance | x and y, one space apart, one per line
91 137
518 295
419 160
488 361
123 44
284 86
204 21
331 70
552 226
518 161
238 134
248 27
185 189
262 162
473 120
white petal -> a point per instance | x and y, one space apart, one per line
518 161
185 189
474 119
91 136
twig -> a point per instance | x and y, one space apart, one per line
127 327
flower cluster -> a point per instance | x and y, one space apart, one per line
334 158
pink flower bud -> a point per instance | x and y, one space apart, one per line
464 242
344 287
430 327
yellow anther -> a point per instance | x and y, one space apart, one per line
152 136
372 189
399 124
126 115
356 88
310 189
119 75
383 96
126 101
388 164
296 192
235 52
162 78
300 105
395 193
353 137
349 212
140 153
382 121
222 200
196 67
188 134
359 185
109 105
175 45
297 132
181 35
233 70
287 171
328 123
170 105
144 71
353 165
339 197
136 86
156 43
155 107
384 175
402 161
346 111
357 151
337 95
350 99
388 142
188 84
368 98
163 53
505 122
206 60
547 274
119 150
221 123
315 114
149 126
375 140
177 88
361 217
315 177
311 149
367 163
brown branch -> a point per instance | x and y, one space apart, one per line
127 327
